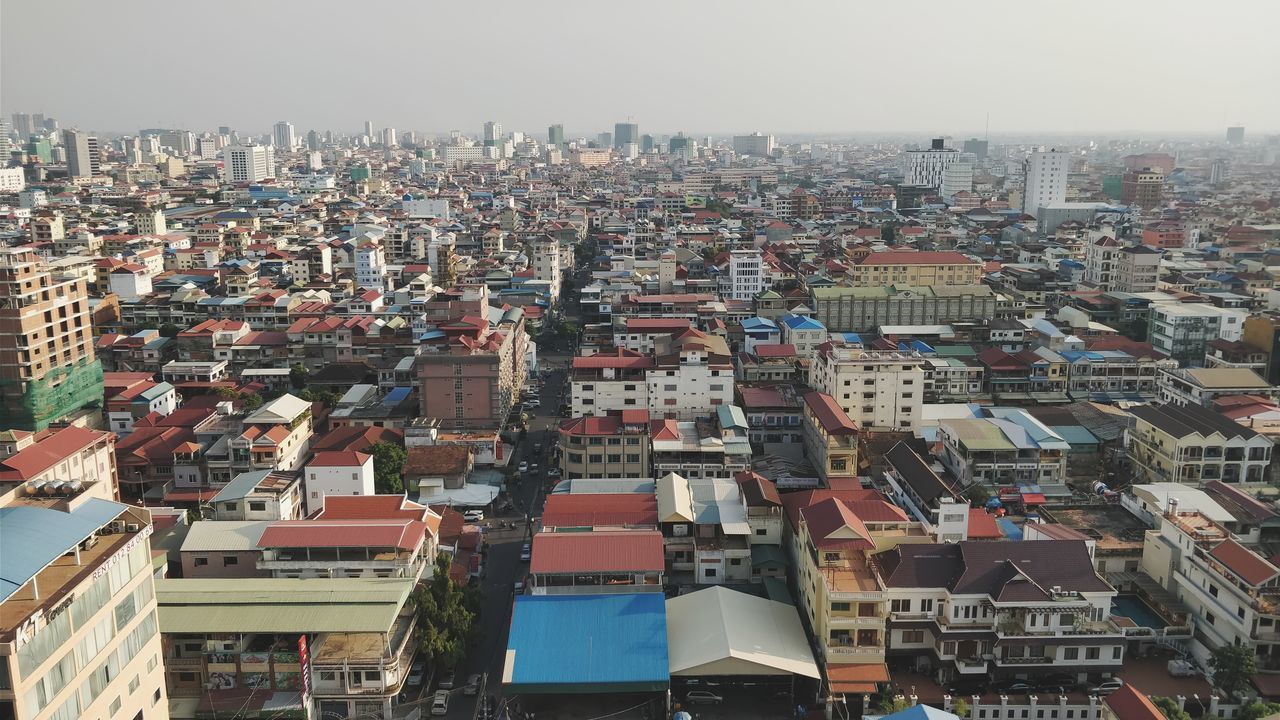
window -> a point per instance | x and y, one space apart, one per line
1071 653
1213 590
595 458
155 698
633 457
1209 618
901 605
912 636
230 560
926 605
709 572
1115 653
1092 653
201 561
839 607
231 507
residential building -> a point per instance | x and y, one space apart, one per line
860 309
716 447
705 533
746 277
1142 188
47 364
248 163
1104 374
336 472
1046 611
754 144
830 440
472 379
276 436
691 377
1046 180
78 631
1137 270
1006 447
382 547
924 269
259 495
592 563
284 136
612 446
1191 444
609 381
223 549
547 264
875 388
1201 387
803 333
66 459
1184 330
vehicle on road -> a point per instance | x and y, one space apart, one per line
473 685
526 551
537 448
535 403
415 677
446 682
473 515
517 587
1106 687
524 466
440 703
702 697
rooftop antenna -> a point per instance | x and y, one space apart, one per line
986 130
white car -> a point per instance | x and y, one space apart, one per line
473 515
533 403
1106 687
524 466
440 703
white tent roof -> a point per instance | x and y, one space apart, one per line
718 631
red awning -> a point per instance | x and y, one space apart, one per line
1033 499
856 679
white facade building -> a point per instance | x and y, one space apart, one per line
746 275
928 167
546 264
878 389
426 208
284 136
1046 180
248 163
12 180
336 473
371 266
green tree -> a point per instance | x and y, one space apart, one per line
250 401
1257 710
1169 708
890 704
1233 666
446 616
808 184
960 708
298 376
978 495
169 330
388 465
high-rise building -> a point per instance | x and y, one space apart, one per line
248 163
546 264
40 147
389 137
555 135
624 133
207 147
368 128
1143 188
1046 180
678 144
977 147
958 177
284 136
47 367
313 140
754 144
181 142
23 125
83 155
1235 134
647 144
492 133
604 140
926 167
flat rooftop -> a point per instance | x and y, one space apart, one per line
1112 527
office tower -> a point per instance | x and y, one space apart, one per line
368 128
647 143
1046 180
624 133
41 148
926 167
555 135
6 142
1143 188
313 140
83 157
604 140
284 136
23 126
977 147
207 147
47 367
1235 134
38 123
958 177
389 137
679 143
181 142
248 163
492 133
224 129
753 144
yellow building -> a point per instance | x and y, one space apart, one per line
899 267
1192 445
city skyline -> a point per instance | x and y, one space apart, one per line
1019 67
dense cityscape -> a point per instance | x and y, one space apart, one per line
595 421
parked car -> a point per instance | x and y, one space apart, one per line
533 468
415 676
1106 687
1059 679
440 703
1182 668
968 686
517 587
1012 687
446 682
526 552
473 515
702 697
532 403
473 685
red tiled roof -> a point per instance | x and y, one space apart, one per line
47 452
338 458
780 350
1129 704
661 324
829 516
371 507
600 510
832 417
1246 564
620 358
982 525
794 502
359 439
402 534
593 552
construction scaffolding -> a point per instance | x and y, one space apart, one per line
34 405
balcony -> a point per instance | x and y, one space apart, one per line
971 666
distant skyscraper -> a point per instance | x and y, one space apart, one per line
753 144
83 156
927 167
1046 180
313 140
624 133
389 137
604 139
23 125
977 147
679 143
224 129
248 163
284 136
647 143
492 133
555 135
368 128
1235 134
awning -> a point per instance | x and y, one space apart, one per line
856 679
192 496
1033 499
1268 684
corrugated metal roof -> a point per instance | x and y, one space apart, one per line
403 534
229 535
592 552
33 537
281 605
565 640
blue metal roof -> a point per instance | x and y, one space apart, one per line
33 537
565 640
801 322
396 396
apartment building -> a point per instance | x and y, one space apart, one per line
830 440
396 547
47 364
1104 374
276 436
78 630
925 268
609 381
1191 444
473 376
60 459
705 532
860 309
877 389
581 563
612 446
1005 446
1232 591
1183 331
714 447
349 640
1044 610
1202 386
691 377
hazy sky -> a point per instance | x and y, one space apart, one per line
849 66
